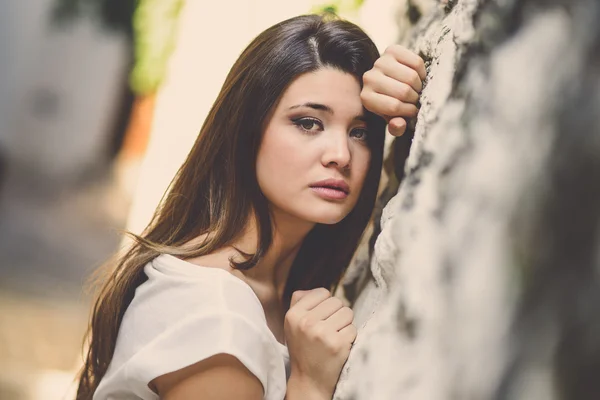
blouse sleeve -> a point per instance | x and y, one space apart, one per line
175 321
199 337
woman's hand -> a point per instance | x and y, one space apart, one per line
391 88
319 334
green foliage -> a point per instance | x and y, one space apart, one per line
338 7
155 27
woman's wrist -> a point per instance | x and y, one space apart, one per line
300 387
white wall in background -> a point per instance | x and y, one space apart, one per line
379 19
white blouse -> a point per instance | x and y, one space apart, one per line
185 313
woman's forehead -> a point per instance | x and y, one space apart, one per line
334 90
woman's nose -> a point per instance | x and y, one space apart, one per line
337 150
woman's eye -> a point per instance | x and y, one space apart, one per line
360 133
307 124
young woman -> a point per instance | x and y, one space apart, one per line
227 293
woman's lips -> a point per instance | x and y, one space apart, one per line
329 193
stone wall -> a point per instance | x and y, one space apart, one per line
482 280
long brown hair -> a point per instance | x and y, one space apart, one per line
216 189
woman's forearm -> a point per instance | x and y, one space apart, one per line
299 388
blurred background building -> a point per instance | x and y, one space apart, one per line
100 100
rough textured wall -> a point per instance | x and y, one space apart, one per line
484 278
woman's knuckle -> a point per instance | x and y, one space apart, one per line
391 49
415 79
364 96
304 323
337 346
388 109
367 76
290 316
336 302
404 91
396 107
377 64
317 332
348 315
413 110
352 329
333 348
329 345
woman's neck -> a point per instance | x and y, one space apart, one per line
273 269
269 277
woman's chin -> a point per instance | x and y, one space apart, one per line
319 213
328 219
329 215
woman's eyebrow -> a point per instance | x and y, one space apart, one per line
315 106
323 107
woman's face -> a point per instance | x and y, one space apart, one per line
316 132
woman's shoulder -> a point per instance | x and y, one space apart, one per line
177 267
180 302
185 313
173 282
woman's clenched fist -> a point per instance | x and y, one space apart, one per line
391 88
319 335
